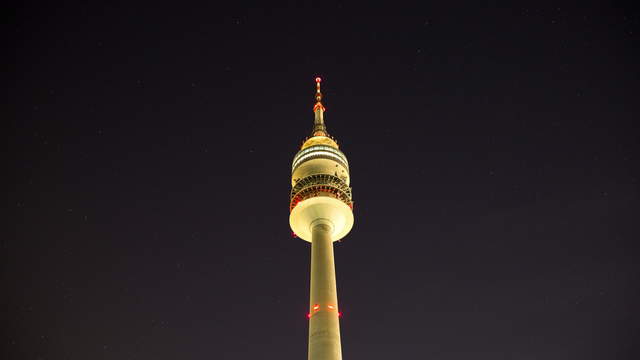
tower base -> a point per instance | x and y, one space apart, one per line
324 323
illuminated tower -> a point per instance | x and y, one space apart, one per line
321 213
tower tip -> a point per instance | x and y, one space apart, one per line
318 124
318 104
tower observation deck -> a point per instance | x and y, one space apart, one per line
321 212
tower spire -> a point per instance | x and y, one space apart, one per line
319 129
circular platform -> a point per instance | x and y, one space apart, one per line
329 209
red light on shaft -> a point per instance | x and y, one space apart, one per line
318 79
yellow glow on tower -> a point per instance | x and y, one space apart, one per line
321 213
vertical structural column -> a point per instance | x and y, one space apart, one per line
324 326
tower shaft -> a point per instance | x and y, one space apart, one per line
324 324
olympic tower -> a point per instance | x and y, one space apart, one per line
321 212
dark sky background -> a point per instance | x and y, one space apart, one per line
494 162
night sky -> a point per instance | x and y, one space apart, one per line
494 164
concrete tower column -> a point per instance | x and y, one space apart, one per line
324 325
321 212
